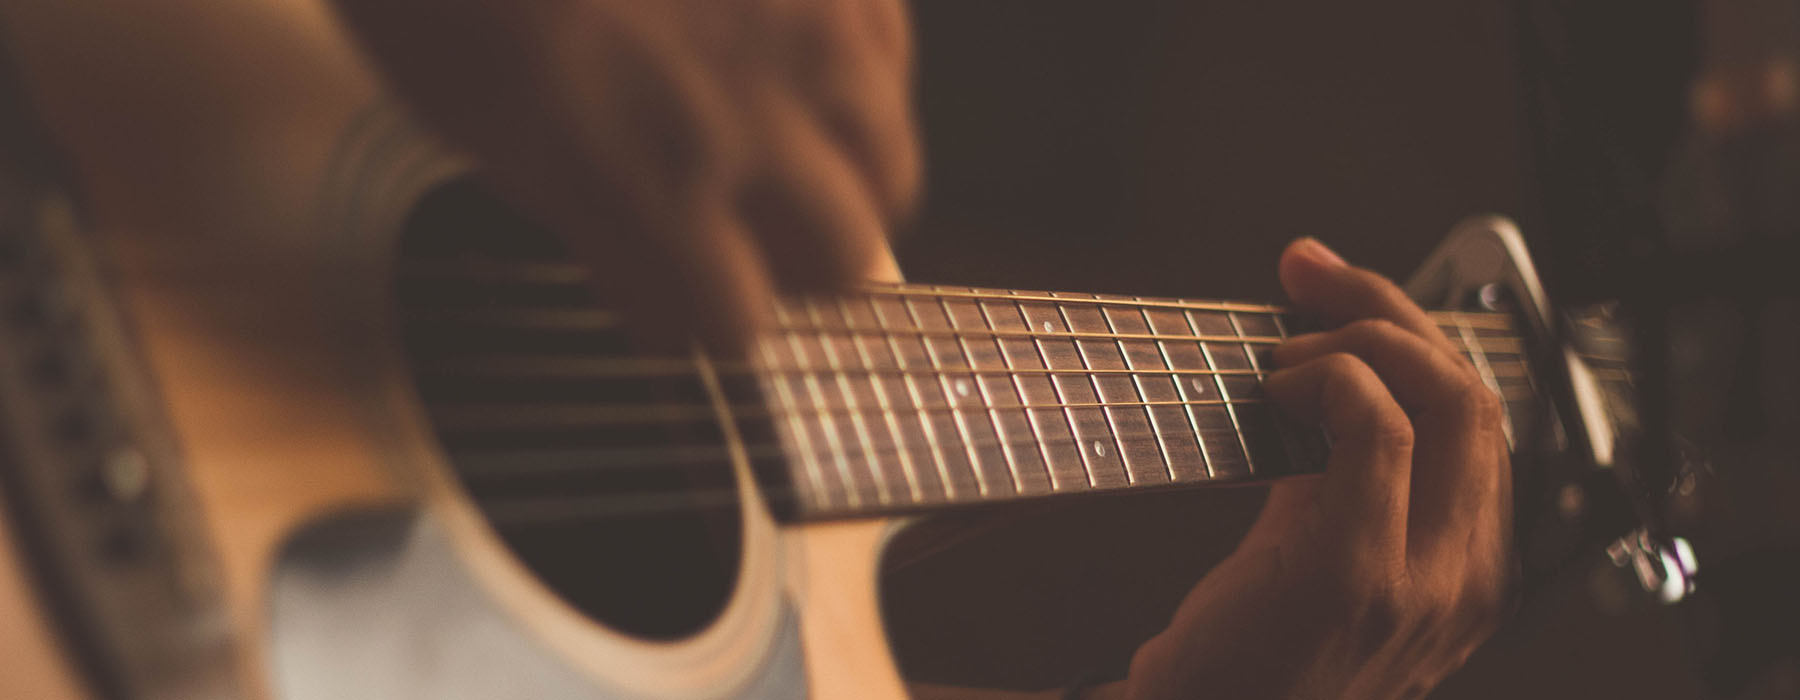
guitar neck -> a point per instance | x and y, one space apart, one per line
897 398
908 397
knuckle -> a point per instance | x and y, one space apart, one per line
1391 430
1345 366
1479 405
1374 329
1376 287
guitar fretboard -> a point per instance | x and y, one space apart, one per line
909 396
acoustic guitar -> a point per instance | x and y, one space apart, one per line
293 409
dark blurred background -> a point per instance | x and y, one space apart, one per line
1171 147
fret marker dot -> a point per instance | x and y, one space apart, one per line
962 387
1099 449
1198 384
1048 328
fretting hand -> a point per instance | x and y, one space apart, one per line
1379 578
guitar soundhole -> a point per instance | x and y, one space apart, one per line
605 472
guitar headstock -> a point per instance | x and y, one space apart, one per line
1578 495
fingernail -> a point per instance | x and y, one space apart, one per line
1317 252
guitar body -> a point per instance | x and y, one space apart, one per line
219 143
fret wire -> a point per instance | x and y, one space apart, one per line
803 442
1012 463
1162 447
861 429
1224 395
1018 387
918 400
1193 420
827 425
1087 468
1249 460
1112 426
957 416
907 468
1479 359
966 425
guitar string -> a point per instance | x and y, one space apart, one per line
573 274
821 501
896 448
657 456
575 366
551 273
654 366
660 412
642 458
522 511
625 414
1493 344
516 511
674 454
437 371
607 415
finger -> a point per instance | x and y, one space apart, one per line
891 27
697 278
1320 282
1455 420
811 210
1458 485
860 90
1419 376
1367 475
